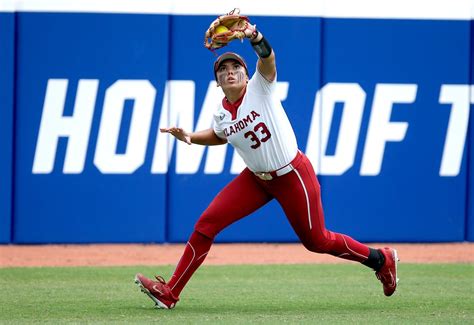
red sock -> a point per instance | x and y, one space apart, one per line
194 254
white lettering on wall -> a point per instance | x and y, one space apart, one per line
381 130
143 95
75 128
178 109
353 97
459 96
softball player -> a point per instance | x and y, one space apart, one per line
253 121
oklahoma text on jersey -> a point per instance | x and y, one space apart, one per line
241 124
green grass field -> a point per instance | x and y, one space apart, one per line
297 294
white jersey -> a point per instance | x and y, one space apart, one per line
259 128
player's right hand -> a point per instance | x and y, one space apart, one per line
178 133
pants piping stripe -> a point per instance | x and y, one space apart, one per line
192 260
350 250
307 198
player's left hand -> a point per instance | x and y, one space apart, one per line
178 133
227 28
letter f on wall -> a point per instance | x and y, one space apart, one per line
381 130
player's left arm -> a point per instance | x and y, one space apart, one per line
266 63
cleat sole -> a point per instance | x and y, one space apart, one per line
395 257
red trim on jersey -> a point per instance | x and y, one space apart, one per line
232 108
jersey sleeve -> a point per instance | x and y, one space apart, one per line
217 126
260 85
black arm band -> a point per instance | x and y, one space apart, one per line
262 48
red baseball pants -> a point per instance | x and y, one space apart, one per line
299 194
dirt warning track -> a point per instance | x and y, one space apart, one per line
220 254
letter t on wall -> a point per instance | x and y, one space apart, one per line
458 97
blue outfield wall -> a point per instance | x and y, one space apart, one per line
381 107
470 190
7 63
74 66
408 61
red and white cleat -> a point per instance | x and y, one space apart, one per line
388 273
158 291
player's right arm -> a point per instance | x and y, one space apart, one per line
205 137
266 62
